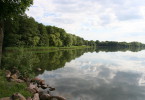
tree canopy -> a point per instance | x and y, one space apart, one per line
21 30
27 32
8 10
11 8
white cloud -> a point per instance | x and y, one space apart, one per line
94 19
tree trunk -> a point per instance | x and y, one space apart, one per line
1 39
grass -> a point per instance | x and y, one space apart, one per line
9 88
46 49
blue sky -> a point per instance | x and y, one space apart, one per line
111 20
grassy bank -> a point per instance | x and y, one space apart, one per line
46 49
9 88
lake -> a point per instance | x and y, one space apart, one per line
94 74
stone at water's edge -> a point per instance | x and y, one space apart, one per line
36 96
6 98
36 86
16 96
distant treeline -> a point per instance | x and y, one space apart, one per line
24 31
119 44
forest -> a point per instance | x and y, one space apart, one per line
24 31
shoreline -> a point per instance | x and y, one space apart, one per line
44 49
24 88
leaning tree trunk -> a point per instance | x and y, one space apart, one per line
1 39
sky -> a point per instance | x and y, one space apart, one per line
104 20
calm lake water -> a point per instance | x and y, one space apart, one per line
87 74
100 76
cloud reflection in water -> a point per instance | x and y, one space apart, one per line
100 76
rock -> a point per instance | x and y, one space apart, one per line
36 96
26 79
39 69
19 80
33 88
48 91
42 82
31 85
51 89
18 96
16 72
44 86
37 80
6 98
29 98
14 76
7 73
37 90
38 85
45 97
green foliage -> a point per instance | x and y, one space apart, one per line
44 38
119 44
26 32
28 29
11 8
13 40
52 40
35 40
68 40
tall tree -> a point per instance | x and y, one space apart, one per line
28 28
8 10
44 38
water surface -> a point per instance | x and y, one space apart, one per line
86 74
100 76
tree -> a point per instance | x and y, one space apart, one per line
52 40
11 29
28 29
68 40
8 10
44 39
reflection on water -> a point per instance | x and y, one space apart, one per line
27 62
123 49
86 74
101 76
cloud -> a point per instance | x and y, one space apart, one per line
97 19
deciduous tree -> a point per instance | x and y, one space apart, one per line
10 9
